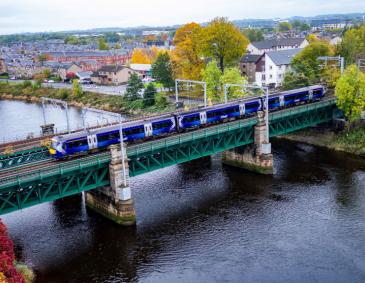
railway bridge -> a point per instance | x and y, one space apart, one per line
30 177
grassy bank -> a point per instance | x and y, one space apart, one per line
352 141
33 93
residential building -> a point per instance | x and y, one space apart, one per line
66 69
248 66
143 69
272 66
112 75
260 47
105 57
3 68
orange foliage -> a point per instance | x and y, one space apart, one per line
187 63
140 56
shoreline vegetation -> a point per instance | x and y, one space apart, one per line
349 140
114 103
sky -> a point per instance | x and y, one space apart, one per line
18 16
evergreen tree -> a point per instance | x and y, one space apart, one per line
134 86
149 95
162 70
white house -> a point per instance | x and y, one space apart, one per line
272 66
260 47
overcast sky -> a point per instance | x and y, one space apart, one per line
42 15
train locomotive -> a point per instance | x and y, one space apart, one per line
83 142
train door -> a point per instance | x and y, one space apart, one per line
310 95
281 100
203 117
92 141
242 109
148 129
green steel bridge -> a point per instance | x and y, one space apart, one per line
29 178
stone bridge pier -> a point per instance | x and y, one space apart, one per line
256 157
114 202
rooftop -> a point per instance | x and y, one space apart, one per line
272 43
283 57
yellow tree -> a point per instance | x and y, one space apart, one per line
186 60
140 56
223 41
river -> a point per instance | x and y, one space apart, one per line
205 222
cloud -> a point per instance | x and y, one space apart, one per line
40 15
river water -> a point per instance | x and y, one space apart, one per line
205 222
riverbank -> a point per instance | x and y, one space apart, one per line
31 93
352 141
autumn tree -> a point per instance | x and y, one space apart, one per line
223 41
350 92
102 44
186 59
284 26
140 56
212 75
253 34
76 89
352 46
306 62
162 70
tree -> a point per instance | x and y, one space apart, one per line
352 46
311 38
76 89
102 44
186 59
253 34
161 100
211 75
117 46
223 41
74 40
350 92
134 86
140 56
233 76
306 62
149 95
162 70
42 58
284 26
294 80
47 73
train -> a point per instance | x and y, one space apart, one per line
83 142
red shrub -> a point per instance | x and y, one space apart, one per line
3 229
14 276
6 262
6 245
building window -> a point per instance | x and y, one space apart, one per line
270 76
280 76
270 67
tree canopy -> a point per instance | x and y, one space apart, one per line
350 92
253 34
149 95
102 44
284 26
162 70
186 57
352 46
134 86
211 75
223 41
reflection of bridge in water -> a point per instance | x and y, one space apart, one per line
30 177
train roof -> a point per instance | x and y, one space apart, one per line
296 90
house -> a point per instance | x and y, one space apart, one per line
248 66
260 47
272 66
66 69
3 68
112 75
143 69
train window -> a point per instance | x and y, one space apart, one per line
192 118
274 100
161 125
317 91
77 143
252 105
108 136
133 131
